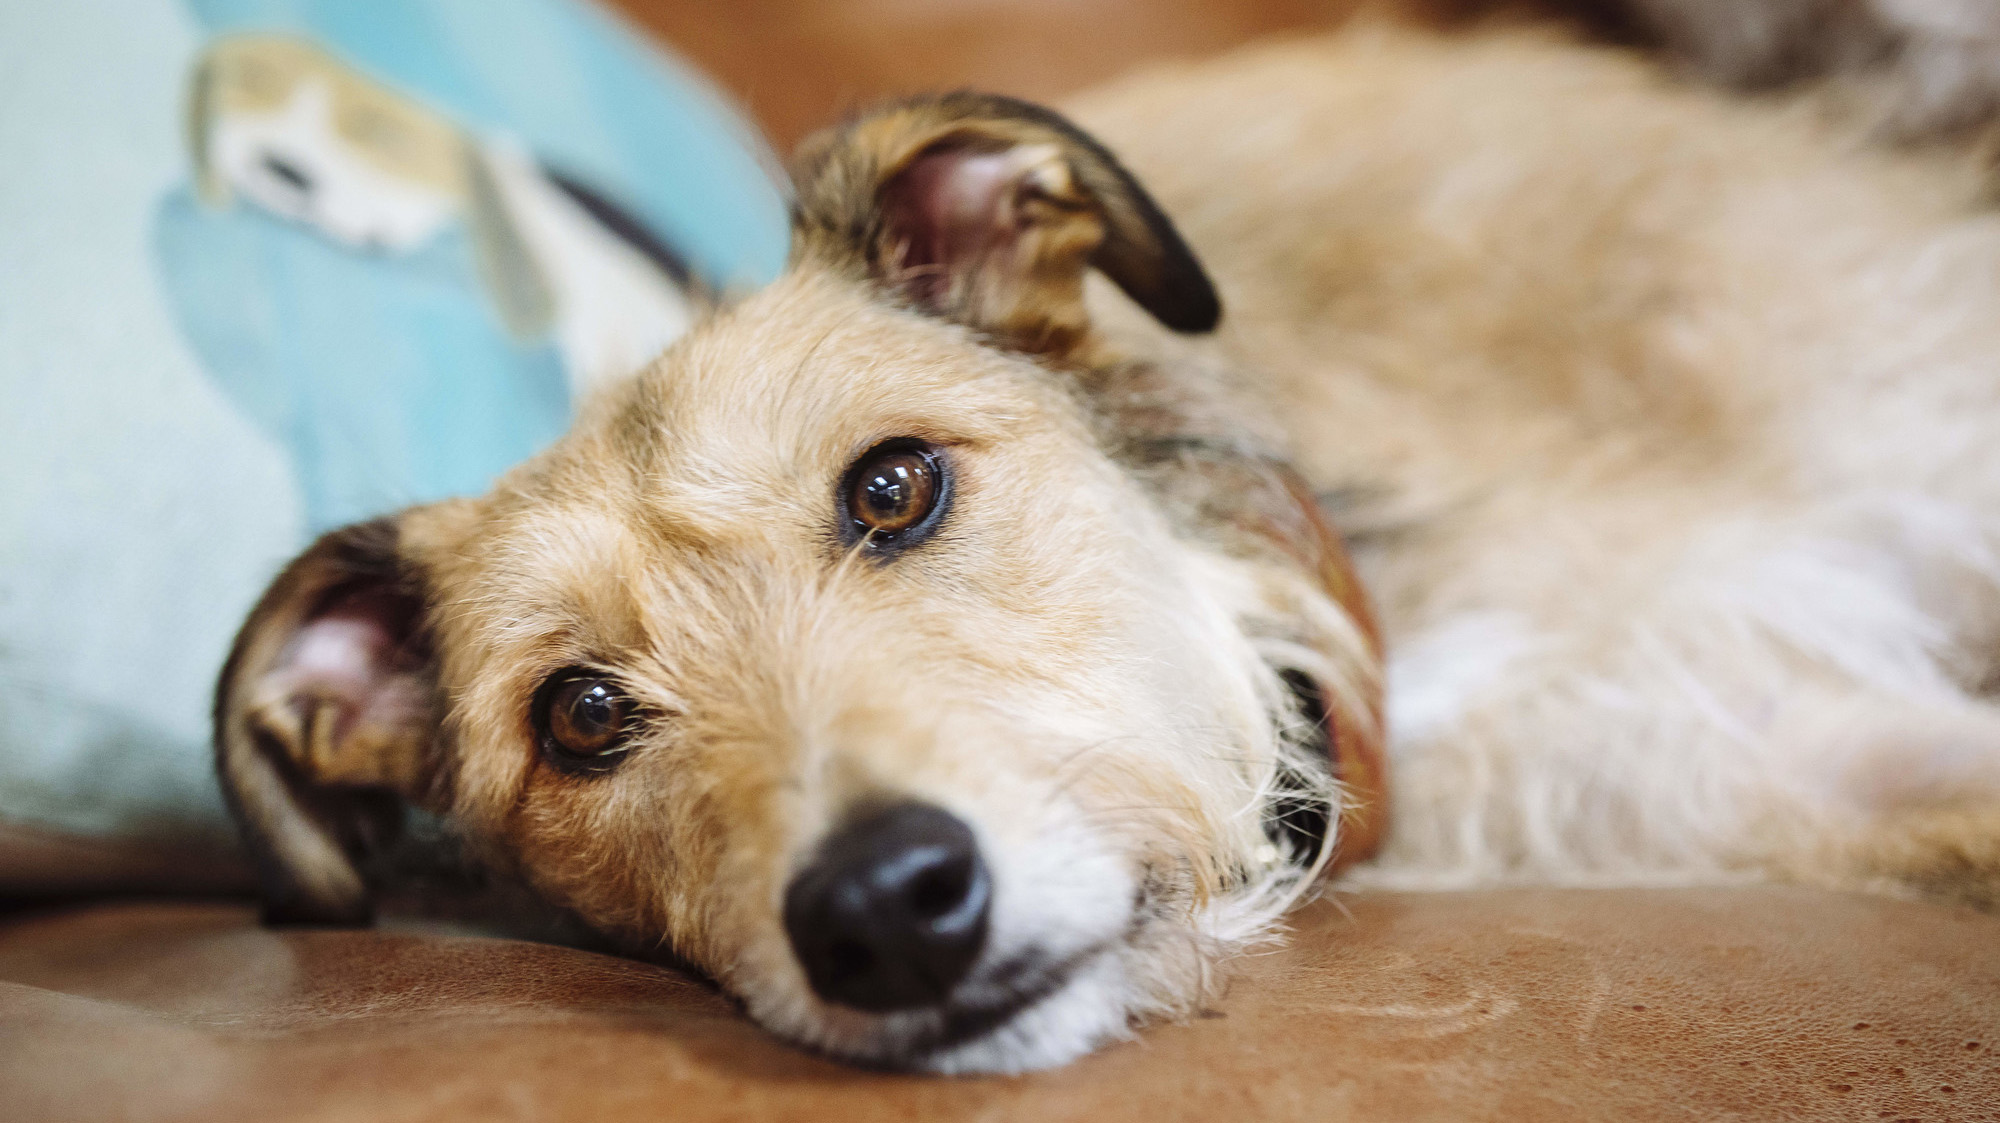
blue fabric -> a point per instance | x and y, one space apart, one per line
385 375
189 390
586 96
388 377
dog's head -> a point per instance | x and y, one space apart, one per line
949 687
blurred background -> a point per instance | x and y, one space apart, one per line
797 64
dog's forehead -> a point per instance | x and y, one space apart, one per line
813 353
765 404
735 441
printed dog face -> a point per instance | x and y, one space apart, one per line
949 687
306 137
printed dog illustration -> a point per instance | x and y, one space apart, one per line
493 290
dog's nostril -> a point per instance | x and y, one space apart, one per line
939 891
892 912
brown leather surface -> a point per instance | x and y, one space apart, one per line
36 861
1633 1005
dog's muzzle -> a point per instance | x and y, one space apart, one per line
892 912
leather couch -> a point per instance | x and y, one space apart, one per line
1709 1004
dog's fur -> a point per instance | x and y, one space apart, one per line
1666 430
1916 69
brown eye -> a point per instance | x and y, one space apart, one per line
584 720
894 494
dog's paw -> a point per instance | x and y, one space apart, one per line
1949 854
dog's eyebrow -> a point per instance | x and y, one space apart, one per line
799 370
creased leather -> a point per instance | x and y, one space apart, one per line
1755 1003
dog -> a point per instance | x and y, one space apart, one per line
948 649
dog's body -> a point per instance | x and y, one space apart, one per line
1664 428
1668 428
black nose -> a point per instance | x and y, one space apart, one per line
892 913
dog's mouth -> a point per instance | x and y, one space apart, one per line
890 922
1010 989
995 1020
962 1023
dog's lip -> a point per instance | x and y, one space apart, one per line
1023 980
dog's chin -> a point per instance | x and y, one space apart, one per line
1033 1006
1091 1006
1030 1012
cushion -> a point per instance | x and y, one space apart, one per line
1699 1004
276 265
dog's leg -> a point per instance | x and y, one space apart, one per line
1635 762
1915 805
1731 695
1951 854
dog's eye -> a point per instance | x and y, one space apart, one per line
895 494
584 720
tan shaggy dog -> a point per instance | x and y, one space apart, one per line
942 647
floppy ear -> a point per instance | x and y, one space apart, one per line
325 718
987 211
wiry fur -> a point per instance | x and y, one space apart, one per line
1025 678
1669 431
1083 674
1663 426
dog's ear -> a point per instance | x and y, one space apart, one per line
325 719
987 211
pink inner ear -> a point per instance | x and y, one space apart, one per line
951 208
339 654
355 655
